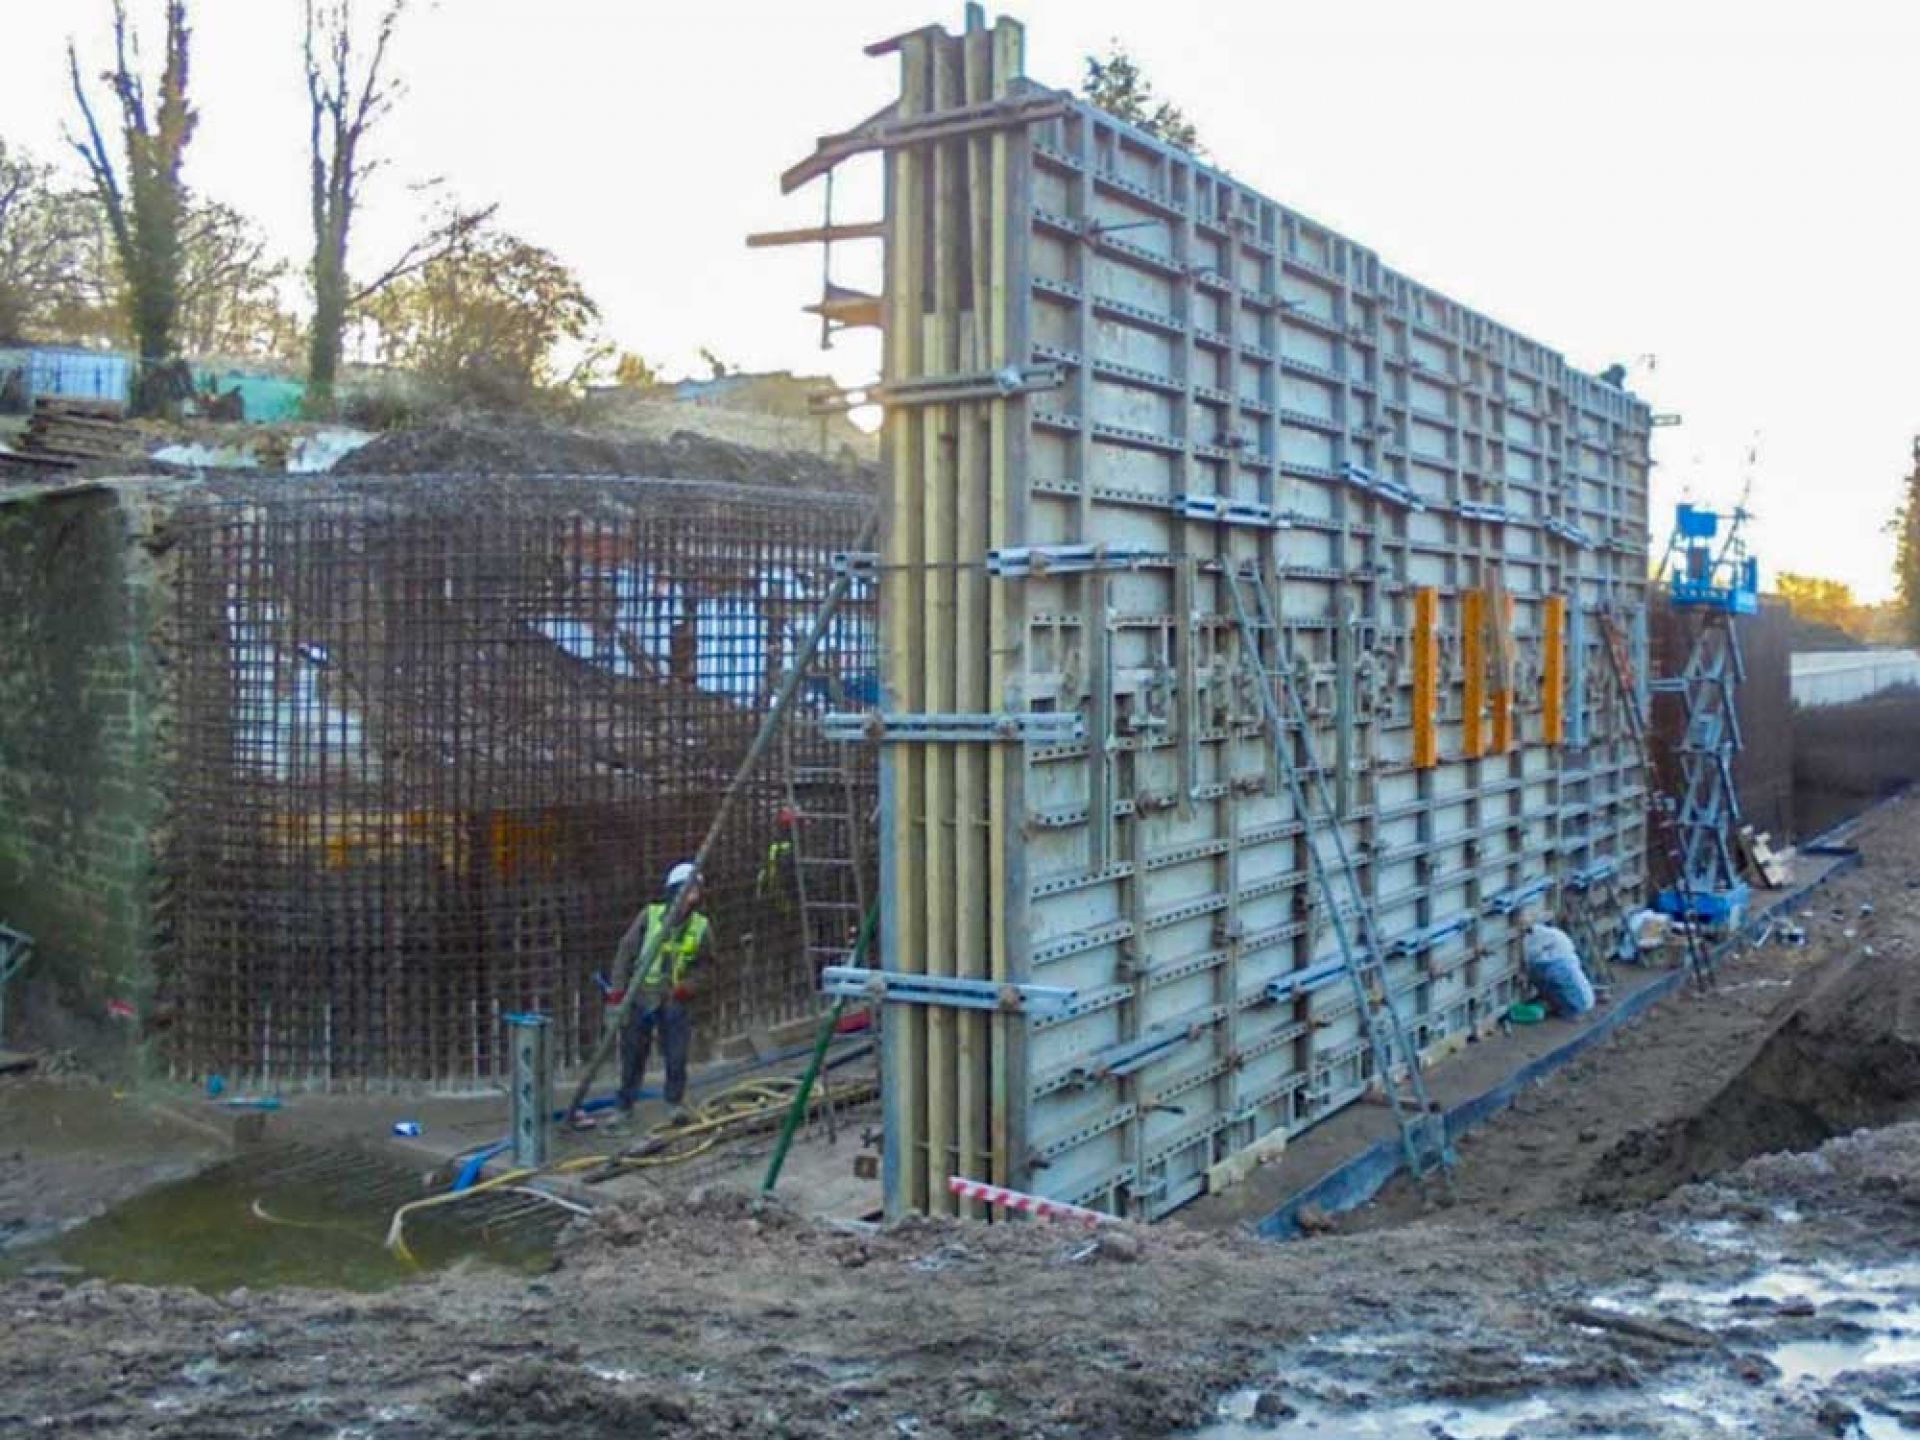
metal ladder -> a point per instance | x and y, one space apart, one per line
1660 805
830 847
1396 1064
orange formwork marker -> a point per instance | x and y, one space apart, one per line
1473 657
1426 677
1553 672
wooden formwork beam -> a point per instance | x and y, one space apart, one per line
1426 677
1553 671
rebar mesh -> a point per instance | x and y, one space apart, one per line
439 738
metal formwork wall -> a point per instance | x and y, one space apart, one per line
1113 369
439 738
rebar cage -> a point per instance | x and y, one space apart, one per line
439 738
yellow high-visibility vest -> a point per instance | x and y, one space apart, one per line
683 948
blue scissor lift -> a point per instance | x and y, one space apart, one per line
1708 572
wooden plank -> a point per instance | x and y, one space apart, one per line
850 308
942 491
970 637
818 235
1006 339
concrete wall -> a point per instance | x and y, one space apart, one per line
1840 677
79 721
1845 757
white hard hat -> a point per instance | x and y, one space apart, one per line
681 874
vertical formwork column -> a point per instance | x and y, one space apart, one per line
1006 319
903 848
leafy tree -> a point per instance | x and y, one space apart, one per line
348 93
488 319
1117 86
633 372
144 197
1824 602
1905 529
43 248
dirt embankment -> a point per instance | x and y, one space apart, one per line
1846 1059
495 445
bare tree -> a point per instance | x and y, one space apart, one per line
145 207
43 234
349 91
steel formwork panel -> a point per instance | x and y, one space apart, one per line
1241 386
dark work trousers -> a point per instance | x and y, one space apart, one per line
675 1025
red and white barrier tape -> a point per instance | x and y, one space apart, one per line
1021 1200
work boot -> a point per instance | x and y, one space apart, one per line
680 1116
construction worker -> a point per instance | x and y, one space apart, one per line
776 879
666 990
1553 965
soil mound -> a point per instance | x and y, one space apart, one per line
496 445
1847 1059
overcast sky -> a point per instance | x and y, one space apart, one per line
1729 189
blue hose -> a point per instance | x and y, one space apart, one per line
477 1162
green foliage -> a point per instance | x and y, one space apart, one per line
633 372
144 195
1117 86
1905 529
1824 602
488 320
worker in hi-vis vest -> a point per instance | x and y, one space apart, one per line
666 989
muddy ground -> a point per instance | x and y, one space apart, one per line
1573 1290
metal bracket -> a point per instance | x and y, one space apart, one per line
857 982
1431 936
1479 510
1568 531
1591 876
1288 987
1043 728
1117 1062
1224 511
1509 901
1365 479
1025 560
860 564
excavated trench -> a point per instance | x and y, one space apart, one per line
1847 1059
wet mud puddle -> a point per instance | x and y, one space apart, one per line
1795 1349
269 1224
